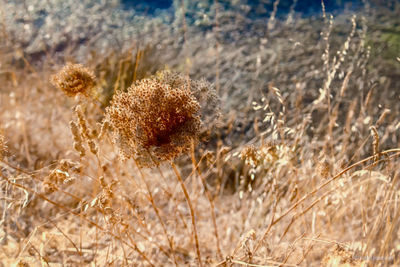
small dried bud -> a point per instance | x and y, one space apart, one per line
82 122
375 143
79 147
92 147
3 147
49 187
209 157
75 131
247 241
22 263
324 169
104 126
250 155
74 79
294 193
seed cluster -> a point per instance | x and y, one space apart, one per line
74 79
156 119
3 147
203 91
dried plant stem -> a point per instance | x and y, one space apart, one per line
378 221
79 251
294 206
239 262
268 229
169 190
32 191
153 204
375 143
209 197
192 215
175 201
34 177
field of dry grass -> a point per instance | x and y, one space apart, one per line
289 158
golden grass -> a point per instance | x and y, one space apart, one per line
312 180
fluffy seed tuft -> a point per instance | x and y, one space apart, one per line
74 79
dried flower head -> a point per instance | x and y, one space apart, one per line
250 155
203 91
3 147
157 118
324 168
73 79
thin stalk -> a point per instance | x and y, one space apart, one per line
32 191
324 184
153 204
192 215
209 197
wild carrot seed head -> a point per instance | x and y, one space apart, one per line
203 91
74 79
156 119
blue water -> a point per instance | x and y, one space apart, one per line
147 6
305 7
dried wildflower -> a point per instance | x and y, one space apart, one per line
341 256
375 143
247 243
3 147
250 154
74 79
157 118
82 123
22 263
324 169
75 131
209 157
93 147
104 126
203 91
78 145
61 175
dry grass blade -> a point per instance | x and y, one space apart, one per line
134 246
294 206
135 159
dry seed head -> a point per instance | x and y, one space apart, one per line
82 123
294 193
383 116
22 263
324 169
74 79
341 256
204 93
93 147
61 175
250 154
79 147
375 143
3 147
247 241
209 157
157 118
75 131
104 126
